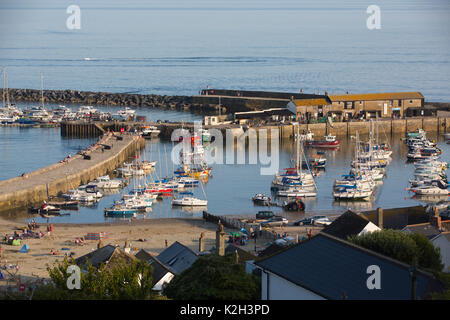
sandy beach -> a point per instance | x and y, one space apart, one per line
156 232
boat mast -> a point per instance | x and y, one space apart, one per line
4 84
42 90
7 95
167 163
298 139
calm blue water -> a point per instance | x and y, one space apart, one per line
28 149
230 189
178 47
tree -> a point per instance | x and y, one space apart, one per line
123 282
214 277
403 246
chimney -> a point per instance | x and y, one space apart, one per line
220 240
380 218
201 245
436 219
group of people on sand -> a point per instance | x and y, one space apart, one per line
33 225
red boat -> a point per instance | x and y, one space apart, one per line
159 190
329 142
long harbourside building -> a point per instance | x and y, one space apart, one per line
354 106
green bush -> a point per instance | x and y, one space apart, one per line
214 277
402 246
123 282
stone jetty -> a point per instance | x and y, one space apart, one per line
35 187
111 99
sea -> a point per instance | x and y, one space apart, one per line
175 47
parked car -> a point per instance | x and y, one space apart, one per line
275 221
322 221
265 214
308 221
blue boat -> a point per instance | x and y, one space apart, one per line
120 212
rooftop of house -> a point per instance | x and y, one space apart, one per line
347 224
159 268
311 102
109 255
177 257
333 268
376 96
427 229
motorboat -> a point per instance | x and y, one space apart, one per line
120 211
328 142
86 110
261 198
351 193
189 201
430 190
104 182
150 132
297 192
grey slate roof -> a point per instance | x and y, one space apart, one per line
108 254
347 224
331 267
427 229
178 257
159 269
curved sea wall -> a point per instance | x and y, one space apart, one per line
22 192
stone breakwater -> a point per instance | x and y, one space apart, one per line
37 186
111 99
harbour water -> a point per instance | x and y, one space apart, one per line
28 149
174 48
231 187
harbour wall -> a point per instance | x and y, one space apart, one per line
435 125
20 192
181 103
400 126
227 101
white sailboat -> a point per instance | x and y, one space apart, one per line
296 187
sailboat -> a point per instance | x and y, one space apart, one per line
8 112
358 185
188 199
300 184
